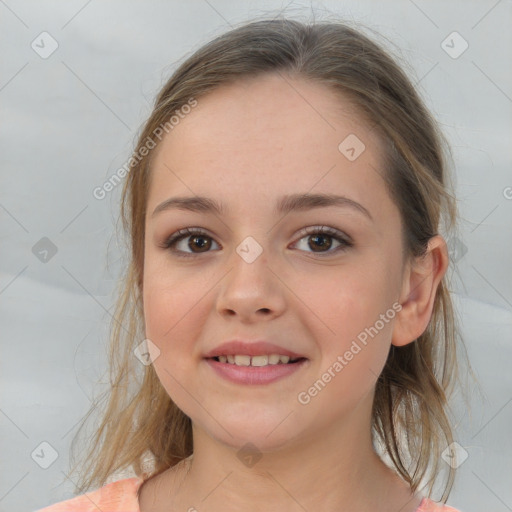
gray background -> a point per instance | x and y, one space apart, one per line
68 122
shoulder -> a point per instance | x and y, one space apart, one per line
427 505
120 495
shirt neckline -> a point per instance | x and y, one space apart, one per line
139 480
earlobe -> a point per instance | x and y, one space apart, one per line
420 284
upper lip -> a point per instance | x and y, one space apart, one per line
255 348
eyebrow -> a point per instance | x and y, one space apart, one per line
286 204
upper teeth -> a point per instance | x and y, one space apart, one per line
243 360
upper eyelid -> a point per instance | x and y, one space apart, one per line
183 233
192 230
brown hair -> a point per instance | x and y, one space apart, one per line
410 419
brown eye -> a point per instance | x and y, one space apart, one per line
190 242
321 240
197 242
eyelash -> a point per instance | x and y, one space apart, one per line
172 240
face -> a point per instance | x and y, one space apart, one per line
328 297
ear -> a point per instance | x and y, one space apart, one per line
420 282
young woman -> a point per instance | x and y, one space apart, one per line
284 338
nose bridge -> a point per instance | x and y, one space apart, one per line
249 263
250 284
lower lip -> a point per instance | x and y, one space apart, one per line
255 374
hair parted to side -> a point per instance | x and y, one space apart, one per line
410 412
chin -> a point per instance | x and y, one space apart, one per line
268 433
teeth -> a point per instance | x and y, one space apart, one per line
243 360
258 360
273 359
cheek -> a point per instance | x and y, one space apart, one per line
353 318
343 301
172 310
170 320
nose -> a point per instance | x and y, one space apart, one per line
251 290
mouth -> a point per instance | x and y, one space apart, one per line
257 361
256 370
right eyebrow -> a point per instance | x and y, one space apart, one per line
286 204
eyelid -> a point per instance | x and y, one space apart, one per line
345 240
326 230
177 236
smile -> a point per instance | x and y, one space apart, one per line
264 360
255 370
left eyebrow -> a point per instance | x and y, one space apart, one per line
286 204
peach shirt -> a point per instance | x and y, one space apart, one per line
121 496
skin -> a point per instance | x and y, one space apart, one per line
246 145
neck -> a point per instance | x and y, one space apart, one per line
336 469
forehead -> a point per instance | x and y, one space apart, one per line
270 136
